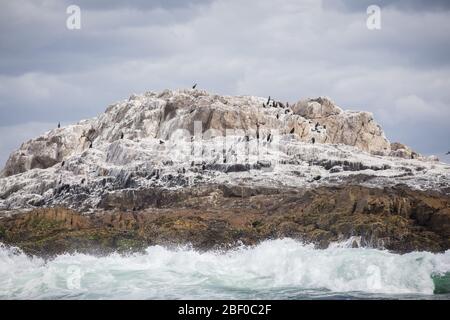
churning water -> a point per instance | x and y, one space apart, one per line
275 269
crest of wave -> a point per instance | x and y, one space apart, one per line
267 270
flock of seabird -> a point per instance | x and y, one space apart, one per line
276 104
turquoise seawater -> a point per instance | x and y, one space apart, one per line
275 269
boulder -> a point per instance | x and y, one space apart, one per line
402 151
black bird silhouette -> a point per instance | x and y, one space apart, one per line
194 86
59 125
121 135
90 145
83 180
292 130
287 111
287 104
268 137
161 142
257 130
62 163
313 140
268 100
278 116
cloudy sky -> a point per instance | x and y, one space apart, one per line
289 49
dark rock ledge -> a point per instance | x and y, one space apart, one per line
217 217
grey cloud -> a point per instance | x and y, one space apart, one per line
37 39
290 51
138 4
410 5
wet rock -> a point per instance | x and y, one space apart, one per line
398 219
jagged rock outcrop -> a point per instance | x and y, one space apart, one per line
351 128
181 138
402 151
308 170
47 150
160 115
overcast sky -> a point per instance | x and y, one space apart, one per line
288 49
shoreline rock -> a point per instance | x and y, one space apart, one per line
189 167
218 217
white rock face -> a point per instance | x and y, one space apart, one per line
176 139
158 115
351 128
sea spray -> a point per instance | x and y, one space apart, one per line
275 269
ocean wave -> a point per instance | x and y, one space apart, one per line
273 269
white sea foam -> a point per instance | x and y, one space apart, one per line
274 269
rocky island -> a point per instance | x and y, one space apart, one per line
190 167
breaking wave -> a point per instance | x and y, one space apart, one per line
275 269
